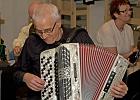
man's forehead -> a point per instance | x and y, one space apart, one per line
44 23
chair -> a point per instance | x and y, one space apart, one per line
73 9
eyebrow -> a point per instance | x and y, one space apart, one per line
46 28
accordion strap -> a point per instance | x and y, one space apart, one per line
75 31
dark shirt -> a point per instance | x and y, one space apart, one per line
2 52
29 60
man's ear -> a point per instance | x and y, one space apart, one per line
59 23
116 15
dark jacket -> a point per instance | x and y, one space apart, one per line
29 60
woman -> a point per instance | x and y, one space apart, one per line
116 35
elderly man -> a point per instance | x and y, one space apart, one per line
49 34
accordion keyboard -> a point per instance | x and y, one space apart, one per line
48 74
55 70
64 74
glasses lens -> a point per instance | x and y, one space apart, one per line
45 31
124 11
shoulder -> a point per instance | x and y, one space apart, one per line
106 30
33 44
81 30
107 27
106 34
108 23
128 27
32 39
76 35
80 35
78 32
74 30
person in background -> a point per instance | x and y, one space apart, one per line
49 34
116 35
24 33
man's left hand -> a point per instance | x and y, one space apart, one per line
119 90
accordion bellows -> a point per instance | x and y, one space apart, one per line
80 72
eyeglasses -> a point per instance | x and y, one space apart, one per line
46 31
127 10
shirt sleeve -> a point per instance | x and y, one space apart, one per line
22 64
29 59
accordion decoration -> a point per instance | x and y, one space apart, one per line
80 72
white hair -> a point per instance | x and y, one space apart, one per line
46 10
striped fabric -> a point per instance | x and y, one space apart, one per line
96 64
80 72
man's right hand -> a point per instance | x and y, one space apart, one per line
33 82
17 50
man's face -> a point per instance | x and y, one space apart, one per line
125 12
48 30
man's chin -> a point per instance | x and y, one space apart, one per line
48 42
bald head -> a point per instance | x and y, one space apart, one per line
45 11
34 5
47 22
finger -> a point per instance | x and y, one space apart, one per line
33 82
122 83
39 80
124 86
117 93
33 87
38 83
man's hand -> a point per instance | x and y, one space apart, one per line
17 50
33 82
119 90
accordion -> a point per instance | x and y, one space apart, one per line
80 72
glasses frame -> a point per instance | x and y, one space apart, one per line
126 11
46 31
